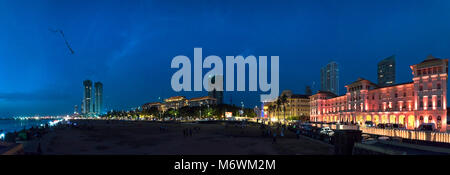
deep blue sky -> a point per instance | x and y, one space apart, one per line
128 45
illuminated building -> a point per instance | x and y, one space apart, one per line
157 105
98 107
409 104
87 98
202 101
176 102
329 78
386 71
296 105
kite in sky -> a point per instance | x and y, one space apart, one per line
65 40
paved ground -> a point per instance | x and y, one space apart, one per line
145 138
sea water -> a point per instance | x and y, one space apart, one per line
11 125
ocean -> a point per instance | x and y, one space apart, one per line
11 125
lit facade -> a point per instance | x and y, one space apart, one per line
411 104
296 105
176 102
202 101
157 105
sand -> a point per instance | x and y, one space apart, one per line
145 138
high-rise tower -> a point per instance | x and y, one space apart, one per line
329 78
98 98
87 99
216 93
386 71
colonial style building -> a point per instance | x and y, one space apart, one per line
202 101
411 104
157 105
176 102
297 105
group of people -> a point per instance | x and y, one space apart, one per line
267 131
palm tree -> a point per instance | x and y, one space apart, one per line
278 107
271 108
283 101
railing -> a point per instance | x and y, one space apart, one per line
409 134
336 126
442 137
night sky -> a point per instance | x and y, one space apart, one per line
129 45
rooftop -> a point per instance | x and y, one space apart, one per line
202 98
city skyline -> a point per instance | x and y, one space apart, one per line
128 45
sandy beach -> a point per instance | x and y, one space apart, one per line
100 137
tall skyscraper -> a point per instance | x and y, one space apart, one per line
308 90
214 93
98 98
329 78
87 99
386 71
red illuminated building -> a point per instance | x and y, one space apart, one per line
410 104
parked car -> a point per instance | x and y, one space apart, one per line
381 125
398 126
369 124
326 131
427 127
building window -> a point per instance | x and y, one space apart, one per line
404 94
438 86
439 122
430 118
419 72
396 95
421 103
420 88
439 103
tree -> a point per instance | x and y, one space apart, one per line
271 108
278 108
283 102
